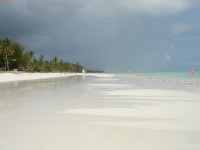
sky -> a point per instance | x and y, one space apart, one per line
109 35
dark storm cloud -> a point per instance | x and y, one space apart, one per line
23 18
103 34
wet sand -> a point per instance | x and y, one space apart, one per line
101 112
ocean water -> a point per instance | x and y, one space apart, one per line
176 75
100 112
181 77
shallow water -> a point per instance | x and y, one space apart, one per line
180 77
99 113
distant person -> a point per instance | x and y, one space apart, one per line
192 71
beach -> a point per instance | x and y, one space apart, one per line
18 76
99 112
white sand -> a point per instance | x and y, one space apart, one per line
8 77
99 112
171 106
17 76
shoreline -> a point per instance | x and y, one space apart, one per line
18 76
22 76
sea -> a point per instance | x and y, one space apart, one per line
176 75
180 77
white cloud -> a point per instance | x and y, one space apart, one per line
164 52
106 8
167 57
192 63
181 28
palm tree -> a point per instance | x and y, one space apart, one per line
31 60
5 46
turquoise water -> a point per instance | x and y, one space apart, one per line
180 77
185 75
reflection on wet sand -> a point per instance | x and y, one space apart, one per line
98 112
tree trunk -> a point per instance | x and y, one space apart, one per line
6 63
5 66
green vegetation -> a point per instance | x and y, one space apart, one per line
13 56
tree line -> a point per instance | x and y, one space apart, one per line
14 56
